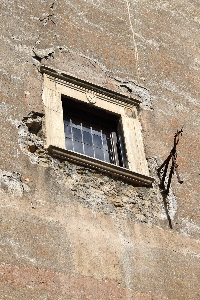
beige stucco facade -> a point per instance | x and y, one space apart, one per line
73 232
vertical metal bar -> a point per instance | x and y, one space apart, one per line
83 148
93 148
102 145
121 151
114 147
72 134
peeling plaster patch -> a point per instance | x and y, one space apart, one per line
141 92
42 53
12 183
23 48
31 139
30 135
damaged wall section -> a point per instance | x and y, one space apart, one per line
91 188
70 232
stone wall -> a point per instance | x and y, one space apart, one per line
69 232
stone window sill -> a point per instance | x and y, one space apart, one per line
116 171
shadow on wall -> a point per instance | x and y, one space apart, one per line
165 180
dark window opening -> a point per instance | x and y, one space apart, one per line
92 131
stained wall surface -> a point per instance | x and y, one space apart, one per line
69 232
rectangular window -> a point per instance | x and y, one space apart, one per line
94 127
92 131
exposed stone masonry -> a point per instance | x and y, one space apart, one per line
91 188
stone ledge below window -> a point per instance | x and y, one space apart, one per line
89 162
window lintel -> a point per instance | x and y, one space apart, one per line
90 86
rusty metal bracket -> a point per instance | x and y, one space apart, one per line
174 166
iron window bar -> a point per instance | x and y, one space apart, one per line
92 134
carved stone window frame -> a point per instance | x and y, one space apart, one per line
57 84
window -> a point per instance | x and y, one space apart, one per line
92 132
93 126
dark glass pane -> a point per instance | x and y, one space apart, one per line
68 144
68 131
97 141
99 153
87 138
77 134
89 150
105 141
78 147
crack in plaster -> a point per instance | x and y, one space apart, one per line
134 41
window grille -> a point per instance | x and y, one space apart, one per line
92 132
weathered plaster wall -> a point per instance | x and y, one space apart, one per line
68 232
